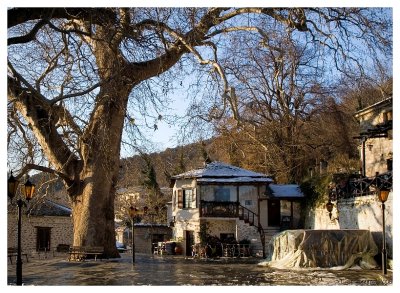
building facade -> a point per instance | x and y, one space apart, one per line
376 136
146 236
356 202
227 203
45 226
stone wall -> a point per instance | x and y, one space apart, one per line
216 227
61 231
357 213
144 238
245 231
377 152
145 235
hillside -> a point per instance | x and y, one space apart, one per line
167 163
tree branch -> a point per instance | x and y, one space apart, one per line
28 167
100 16
29 36
37 112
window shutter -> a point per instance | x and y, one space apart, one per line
180 199
194 198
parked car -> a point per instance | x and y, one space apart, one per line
120 246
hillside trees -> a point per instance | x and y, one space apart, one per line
77 76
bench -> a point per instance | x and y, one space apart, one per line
82 252
63 247
13 252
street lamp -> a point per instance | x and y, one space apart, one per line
133 213
28 190
329 207
383 194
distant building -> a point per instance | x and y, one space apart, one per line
146 236
151 226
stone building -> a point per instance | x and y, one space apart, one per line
356 201
227 202
45 225
146 236
376 135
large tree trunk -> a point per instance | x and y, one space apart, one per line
93 201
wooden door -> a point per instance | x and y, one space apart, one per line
189 242
274 212
43 238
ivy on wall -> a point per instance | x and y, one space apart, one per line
315 190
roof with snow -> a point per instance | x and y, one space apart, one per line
285 191
218 172
50 208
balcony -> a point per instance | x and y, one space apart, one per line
227 209
219 209
362 186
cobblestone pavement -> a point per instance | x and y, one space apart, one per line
177 270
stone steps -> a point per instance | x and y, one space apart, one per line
251 232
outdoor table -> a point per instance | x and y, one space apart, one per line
244 250
235 250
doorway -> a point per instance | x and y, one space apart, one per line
274 212
189 242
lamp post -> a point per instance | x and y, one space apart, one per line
383 194
29 188
329 207
132 214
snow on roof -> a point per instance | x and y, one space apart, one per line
286 190
234 180
50 208
221 172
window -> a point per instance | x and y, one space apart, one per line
387 116
248 202
222 194
180 199
185 198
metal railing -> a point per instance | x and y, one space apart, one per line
219 209
247 215
361 186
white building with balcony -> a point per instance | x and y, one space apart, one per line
228 203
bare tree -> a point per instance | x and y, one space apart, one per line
285 88
76 76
